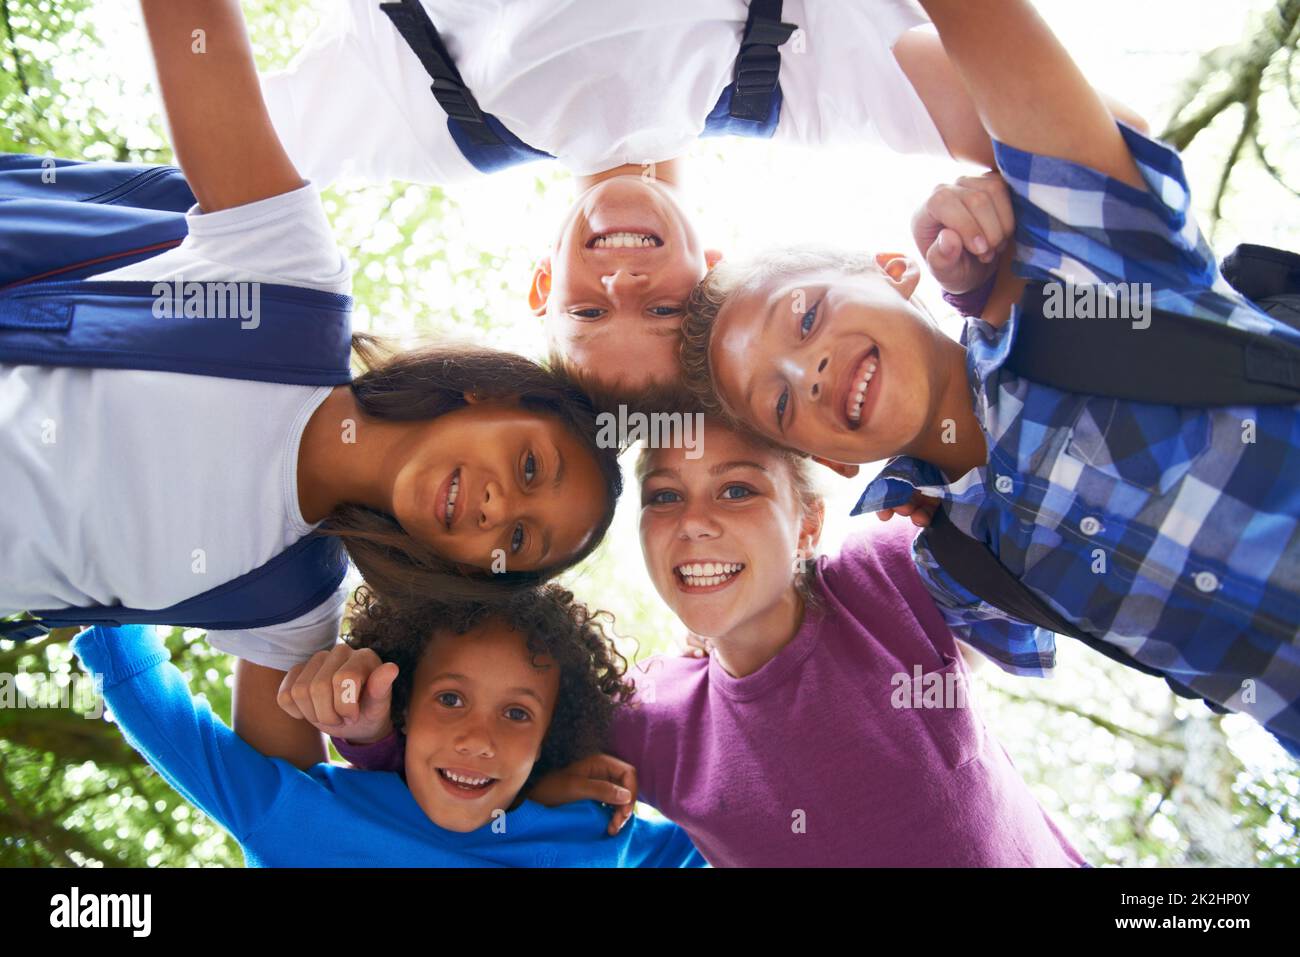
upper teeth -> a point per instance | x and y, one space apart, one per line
461 779
621 240
451 495
857 395
708 573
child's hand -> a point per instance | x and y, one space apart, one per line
920 510
344 692
697 647
601 777
963 228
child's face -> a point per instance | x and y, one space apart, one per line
792 355
734 508
479 710
495 481
614 288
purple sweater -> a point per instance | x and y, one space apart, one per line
811 760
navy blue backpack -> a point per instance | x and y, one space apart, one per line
63 220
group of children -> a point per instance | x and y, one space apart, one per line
484 710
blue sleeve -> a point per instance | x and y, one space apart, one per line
198 755
654 843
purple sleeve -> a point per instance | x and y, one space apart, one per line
386 754
971 304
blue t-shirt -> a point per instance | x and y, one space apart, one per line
329 816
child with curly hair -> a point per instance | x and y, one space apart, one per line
489 696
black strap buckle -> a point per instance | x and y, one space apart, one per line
758 64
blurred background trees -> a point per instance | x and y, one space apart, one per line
1134 776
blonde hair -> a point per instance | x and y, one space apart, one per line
720 284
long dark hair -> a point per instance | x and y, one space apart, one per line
424 383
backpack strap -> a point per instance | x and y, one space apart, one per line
756 81
1175 360
291 335
973 565
288 585
481 137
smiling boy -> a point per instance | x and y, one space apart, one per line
617 91
1165 535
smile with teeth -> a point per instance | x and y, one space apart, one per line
703 574
465 782
861 381
451 496
625 240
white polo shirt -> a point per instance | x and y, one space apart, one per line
596 83
147 488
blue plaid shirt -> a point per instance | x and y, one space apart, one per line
1172 533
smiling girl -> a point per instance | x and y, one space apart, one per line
464 472
812 735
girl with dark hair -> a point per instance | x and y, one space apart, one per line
460 471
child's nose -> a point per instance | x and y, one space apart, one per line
621 282
819 379
493 507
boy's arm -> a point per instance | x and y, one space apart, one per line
941 88
221 132
180 737
1027 90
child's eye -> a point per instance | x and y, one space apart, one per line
745 492
448 694
809 317
665 310
592 313
781 404
665 496
517 539
522 714
530 468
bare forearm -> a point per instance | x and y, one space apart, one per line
221 132
263 724
1028 91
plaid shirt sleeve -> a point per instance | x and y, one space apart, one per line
1015 646
1077 225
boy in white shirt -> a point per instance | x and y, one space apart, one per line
616 90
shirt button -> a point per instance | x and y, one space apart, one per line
1090 526
1206 581
1003 484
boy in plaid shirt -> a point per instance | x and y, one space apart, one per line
1170 534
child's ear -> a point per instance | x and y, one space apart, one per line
712 257
811 532
901 271
539 290
839 468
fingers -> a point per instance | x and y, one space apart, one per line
284 697
975 210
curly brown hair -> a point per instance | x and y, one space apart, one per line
553 623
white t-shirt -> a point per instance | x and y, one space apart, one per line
147 488
596 83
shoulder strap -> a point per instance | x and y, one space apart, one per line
481 137
236 330
758 64
1175 360
290 584
973 565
